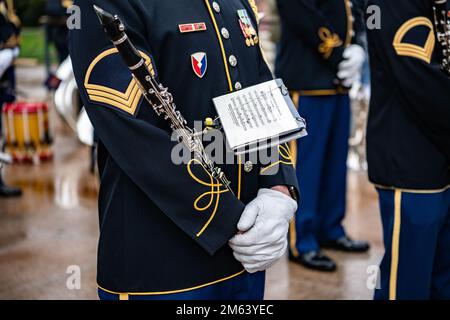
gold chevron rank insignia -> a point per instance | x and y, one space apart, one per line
410 30
108 81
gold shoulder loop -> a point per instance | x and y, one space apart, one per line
329 42
254 8
412 50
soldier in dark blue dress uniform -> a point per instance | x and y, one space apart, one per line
56 30
165 227
319 60
9 46
409 151
9 50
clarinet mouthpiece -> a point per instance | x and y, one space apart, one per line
110 23
104 16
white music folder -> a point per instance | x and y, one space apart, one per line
259 117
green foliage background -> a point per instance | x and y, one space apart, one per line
33 35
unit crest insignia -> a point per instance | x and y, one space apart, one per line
199 63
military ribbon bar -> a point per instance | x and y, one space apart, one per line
192 27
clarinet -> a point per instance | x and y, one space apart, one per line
158 96
442 24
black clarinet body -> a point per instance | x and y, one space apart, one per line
442 25
158 96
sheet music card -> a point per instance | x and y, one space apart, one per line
254 115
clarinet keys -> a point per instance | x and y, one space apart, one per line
442 24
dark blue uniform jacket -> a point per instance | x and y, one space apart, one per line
313 38
409 122
165 227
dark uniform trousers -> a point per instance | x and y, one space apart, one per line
417 242
321 170
164 227
408 149
314 37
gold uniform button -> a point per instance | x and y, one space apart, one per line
225 33
216 7
238 86
233 60
209 122
248 166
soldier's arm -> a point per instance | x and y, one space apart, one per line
280 171
135 137
416 76
309 23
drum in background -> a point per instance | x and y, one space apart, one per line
26 130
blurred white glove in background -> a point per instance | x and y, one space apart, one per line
264 225
6 59
349 70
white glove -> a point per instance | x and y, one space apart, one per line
264 225
6 58
349 70
16 52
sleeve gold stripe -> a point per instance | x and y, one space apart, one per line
118 99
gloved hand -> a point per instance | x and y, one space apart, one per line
349 70
16 52
6 58
263 225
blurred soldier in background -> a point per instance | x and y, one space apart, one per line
269 30
408 139
56 33
319 60
9 46
9 50
56 29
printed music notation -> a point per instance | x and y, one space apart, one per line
257 114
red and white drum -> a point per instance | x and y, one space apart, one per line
26 130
